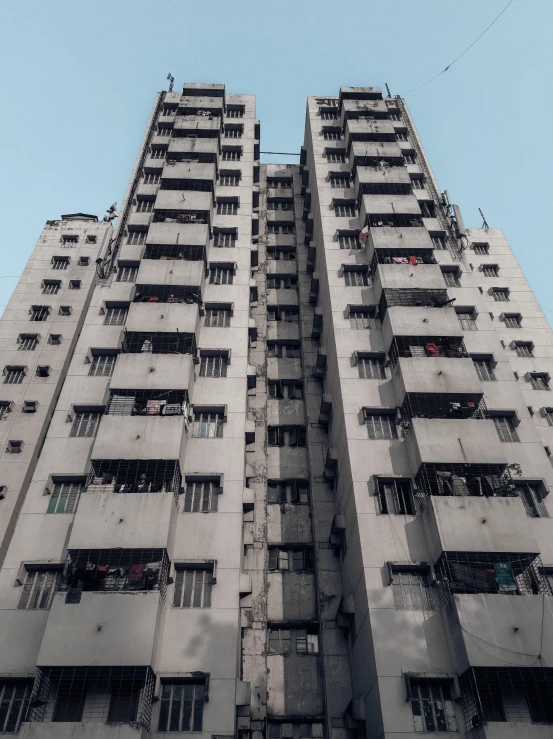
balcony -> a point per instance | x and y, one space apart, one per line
158 342
195 209
397 237
378 180
150 372
357 109
140 437
198 150
172 294
426 347
400 277
164 403
167 272
449 382
188 176
432 405
365 129
193 104
124 476
412 298
197 126
180 236
404 321
171 317
375 154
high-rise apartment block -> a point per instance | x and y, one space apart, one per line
275 449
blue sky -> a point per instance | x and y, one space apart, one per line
79 80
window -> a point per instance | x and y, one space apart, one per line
438 241
144 206
371 368
275 204
467 320
29 406
356 277
484 369
201 496
361 317
208 425
345 209
234 132
285 313
289 351
285 389
221 275
65 496
500 294
296 730
55 339
5 409
69 240
193 587
38 589
181 707
481 249
411 589
505 428
40 312
284 640
332 134
279 182
451 277
410 158
490 270
162 131
401 135
292 436
288 491
236 112
395 496
90 239
102 365
127 273
43 371
280 228
14 374
27 342
219 317
291 560
14 703
417 183
14 446
337 156
285 255
65 310
228 178
428 209
60 262
531 496
84 261
158 153
283 282
136 237
214 365
151 178
85 424
381 426
227 207
74 284
116 316
350 241
168 110
339 181
524 349
231 155
326 116
432 705
224 239
513 320
540 381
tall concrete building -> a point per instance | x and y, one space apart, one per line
284 438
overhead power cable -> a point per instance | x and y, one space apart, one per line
460 55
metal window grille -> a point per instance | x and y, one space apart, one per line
135 476
289 559
289 351
28 342
159 342
539 382
207 426
127 274
40 313
181 706
344 210
14 375
85 424
229 180
467 320
65 496
151 178
116 570
235 112
412 297
295 492
500 573
383 188
227 209
381 426
147 403
371 368
451 278
395 496
193 587
14 704
531 497
233 132
512 321
196 185
93 695
340 182
201 496
332 135
295 730
336 156
350 241
481 249
102 365
224 239
38 590
443 405
401 256
116 316
514 694
490 271
285 389
60 262
419 347
326 116
217 317
411 590
524 349
356 277
292 436
167 294
395 220
432 705
158 153
144 206
287 314
136 237
488 480
231 156
214 366
221 275
362 318
500 295
505 428
484 370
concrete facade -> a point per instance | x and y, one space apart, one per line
287 474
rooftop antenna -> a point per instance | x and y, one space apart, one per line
171 81
485 222
388 90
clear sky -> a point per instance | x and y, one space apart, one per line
78 81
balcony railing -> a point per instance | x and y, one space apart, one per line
480 480
394 220
174 251
443 405
167 294
401 256
419 347
412 298
147 403
497 573
134 476
181 216
161 342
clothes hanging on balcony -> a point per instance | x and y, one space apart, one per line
400 260
413 260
